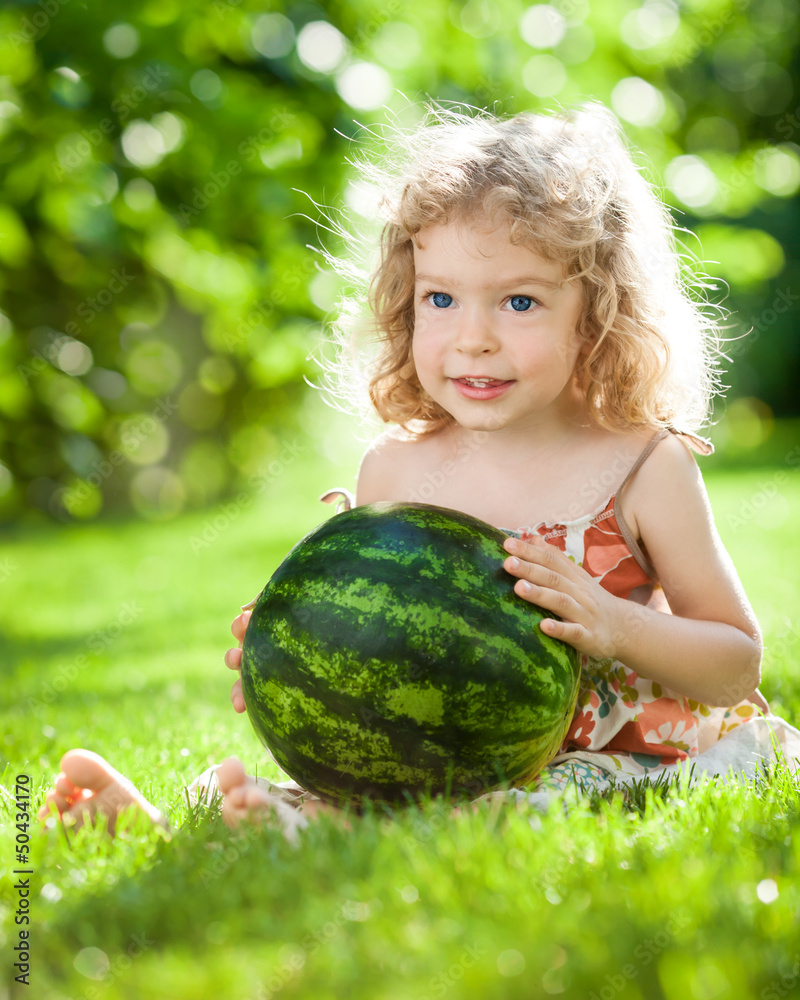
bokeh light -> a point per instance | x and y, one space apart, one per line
544 75
74 358
216 374
637 101
204 470
364 86
746 258
777 170
397 44
153 367
198 408
157 493
139 195
272 35
121 40
654 22
321 47
68 88
692 180
542 26
143 144
205 85
143 439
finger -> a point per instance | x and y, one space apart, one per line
519 545
237 698
536 573
556 601
233 658
239 625
538 551
569 632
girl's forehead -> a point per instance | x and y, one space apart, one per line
478 240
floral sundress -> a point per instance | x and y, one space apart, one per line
624 723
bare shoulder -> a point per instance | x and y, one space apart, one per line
668 508
667 483
389 463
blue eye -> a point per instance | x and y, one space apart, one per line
521 303
441 299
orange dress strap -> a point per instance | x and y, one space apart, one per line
699 444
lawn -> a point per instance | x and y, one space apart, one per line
112 639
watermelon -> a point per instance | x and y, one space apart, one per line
388 656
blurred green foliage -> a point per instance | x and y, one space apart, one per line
160 162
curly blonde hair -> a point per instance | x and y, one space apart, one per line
569 189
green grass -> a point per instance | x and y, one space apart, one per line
112 638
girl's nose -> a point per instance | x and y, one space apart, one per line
475 335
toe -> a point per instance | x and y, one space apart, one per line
234 809
86 769
52 799
65 788
230 774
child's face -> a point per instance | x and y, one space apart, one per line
495 311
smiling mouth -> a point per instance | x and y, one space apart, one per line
481 383
481 387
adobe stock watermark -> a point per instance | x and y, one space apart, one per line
643 953
233 852
293 957
784 301
465 450
96 644
230 512
72 155
95 964
378 19
135 433
36 26
7 570
765 493
711 30
248 149
266 309
444 981
88 310
785 984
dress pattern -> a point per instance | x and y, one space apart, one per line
623 722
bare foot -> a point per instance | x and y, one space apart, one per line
89 786
246 801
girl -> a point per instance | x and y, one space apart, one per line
544 364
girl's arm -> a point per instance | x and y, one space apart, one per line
709 649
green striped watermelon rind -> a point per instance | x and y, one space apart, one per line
495 719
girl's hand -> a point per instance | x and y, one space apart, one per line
233 658
592 617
